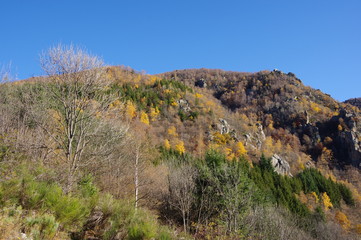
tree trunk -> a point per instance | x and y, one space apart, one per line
184 221
136 177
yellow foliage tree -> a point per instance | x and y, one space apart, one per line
241 150
326 201
316 197
267 147
151 80
172 131
198 95
166 144
131 110
153 113
343 220
278 146
315 107
144 118
137 78
174 104
221 139
229 154
115 104
179 147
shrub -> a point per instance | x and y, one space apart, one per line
42 227
142 229
119 214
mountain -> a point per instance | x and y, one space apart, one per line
285 109
205 153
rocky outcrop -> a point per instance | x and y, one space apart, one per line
184 105
223 126
260 134
313 132
255 140
351 146
354 101
280 165
348 138
202 83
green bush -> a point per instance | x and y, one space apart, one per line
119 214
87 187
142 229
42 227
24 190
70 211
164 234
132 224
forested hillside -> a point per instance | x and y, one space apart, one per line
90 151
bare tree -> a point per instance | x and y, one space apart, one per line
181 191
139 146
76 87
6 73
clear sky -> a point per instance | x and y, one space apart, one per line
318 40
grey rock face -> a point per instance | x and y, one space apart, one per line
280 165
256 140
352 145
348 141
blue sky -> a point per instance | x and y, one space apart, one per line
319 41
